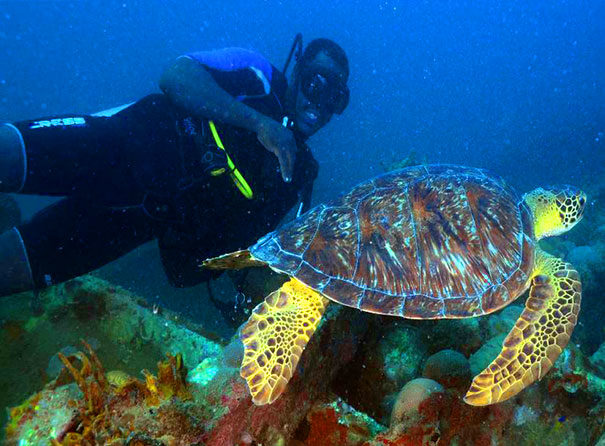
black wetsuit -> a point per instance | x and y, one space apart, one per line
143 172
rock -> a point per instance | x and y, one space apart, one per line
410 398
486 354
233 353
402 351
449 368
336 423
597 360
599 232
502 322
463 335
524 414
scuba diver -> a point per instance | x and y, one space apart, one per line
207 166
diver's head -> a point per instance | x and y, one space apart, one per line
556 209
319 87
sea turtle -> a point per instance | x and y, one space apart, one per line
426 242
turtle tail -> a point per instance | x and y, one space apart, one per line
234 260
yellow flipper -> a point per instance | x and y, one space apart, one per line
276 335
538 337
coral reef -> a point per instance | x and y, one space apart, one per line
336 423
30 343
357 372
209 406
109 407
330 349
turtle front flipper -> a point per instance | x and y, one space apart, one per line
538 337
275 336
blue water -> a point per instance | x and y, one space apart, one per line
513 87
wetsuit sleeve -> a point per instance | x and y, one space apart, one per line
242 73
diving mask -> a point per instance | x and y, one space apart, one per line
324 89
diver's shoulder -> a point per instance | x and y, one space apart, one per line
232 59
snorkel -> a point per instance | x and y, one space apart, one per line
290 104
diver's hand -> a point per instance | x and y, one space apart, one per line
280 141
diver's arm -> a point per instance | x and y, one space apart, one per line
189 85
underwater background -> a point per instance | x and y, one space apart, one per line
514 87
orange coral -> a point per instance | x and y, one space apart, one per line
169 383
100 395
171 378
95 390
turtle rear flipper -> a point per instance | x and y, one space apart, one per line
276 335
538 337
234 260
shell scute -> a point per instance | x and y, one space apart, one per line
461 307
334 245
387 248
399 179
452 261
497 218
420 306
348 293
307 274
379 302
496 296
300 235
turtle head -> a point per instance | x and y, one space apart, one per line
556 209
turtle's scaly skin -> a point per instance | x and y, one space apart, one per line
424 242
